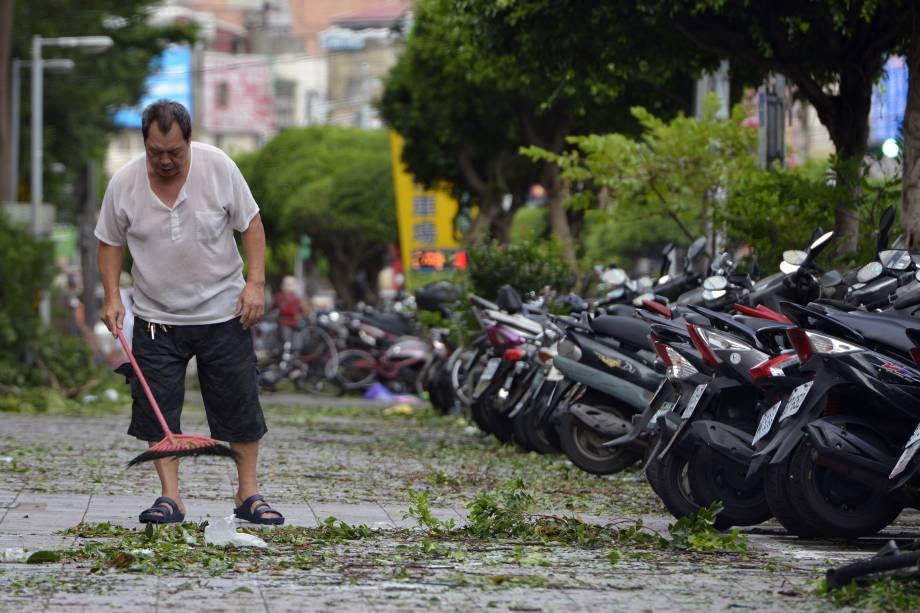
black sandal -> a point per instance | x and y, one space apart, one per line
165 510
255 515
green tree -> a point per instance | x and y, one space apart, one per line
538 71
78 104
334 184
677 170
458 129
25 268
833 51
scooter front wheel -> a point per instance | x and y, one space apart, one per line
584 447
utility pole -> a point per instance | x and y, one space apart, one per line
771 124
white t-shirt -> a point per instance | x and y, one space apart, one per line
187 268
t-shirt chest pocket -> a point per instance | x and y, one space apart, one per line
209 226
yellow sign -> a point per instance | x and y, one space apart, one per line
426 220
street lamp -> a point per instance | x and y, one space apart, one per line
89 44
56 65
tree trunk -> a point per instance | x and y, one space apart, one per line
849 130
910 178
87 244
556 193
342 271
6 31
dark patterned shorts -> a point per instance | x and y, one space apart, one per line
227 374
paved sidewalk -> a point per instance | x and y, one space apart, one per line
357 463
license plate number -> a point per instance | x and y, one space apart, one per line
487 374
796 398
766 422
666 408
694 400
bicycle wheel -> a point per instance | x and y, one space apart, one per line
356 369
318 362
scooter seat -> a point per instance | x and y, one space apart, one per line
631 331
889 329
394 324
482 303
623 310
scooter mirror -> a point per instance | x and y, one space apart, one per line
869 272
614 276
830 279
696 248
643 297
895 259
787 268
715 283
821 240
794 256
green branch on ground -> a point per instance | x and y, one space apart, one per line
892 594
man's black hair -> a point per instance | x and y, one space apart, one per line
165 113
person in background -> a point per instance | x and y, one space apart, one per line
290 310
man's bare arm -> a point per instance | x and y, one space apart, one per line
251 304
113 311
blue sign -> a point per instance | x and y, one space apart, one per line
889 97
171 78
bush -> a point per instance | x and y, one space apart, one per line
528 266
777 210
25 269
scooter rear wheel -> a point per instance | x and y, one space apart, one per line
712 478
584 447
777 480
839 506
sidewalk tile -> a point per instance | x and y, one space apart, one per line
370 514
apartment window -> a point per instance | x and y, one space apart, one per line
284 103
223 95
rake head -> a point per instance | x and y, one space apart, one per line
182 445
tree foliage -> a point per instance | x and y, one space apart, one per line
26 268
833 51
479 79
671 178
527 265
335 185
78 104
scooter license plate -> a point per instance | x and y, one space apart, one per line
694 400
910 450
766 422
796 398
486 377
666 408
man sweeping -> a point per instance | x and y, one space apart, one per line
177 207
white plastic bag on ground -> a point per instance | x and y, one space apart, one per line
13 554
222 532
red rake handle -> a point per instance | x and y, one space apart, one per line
140 375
